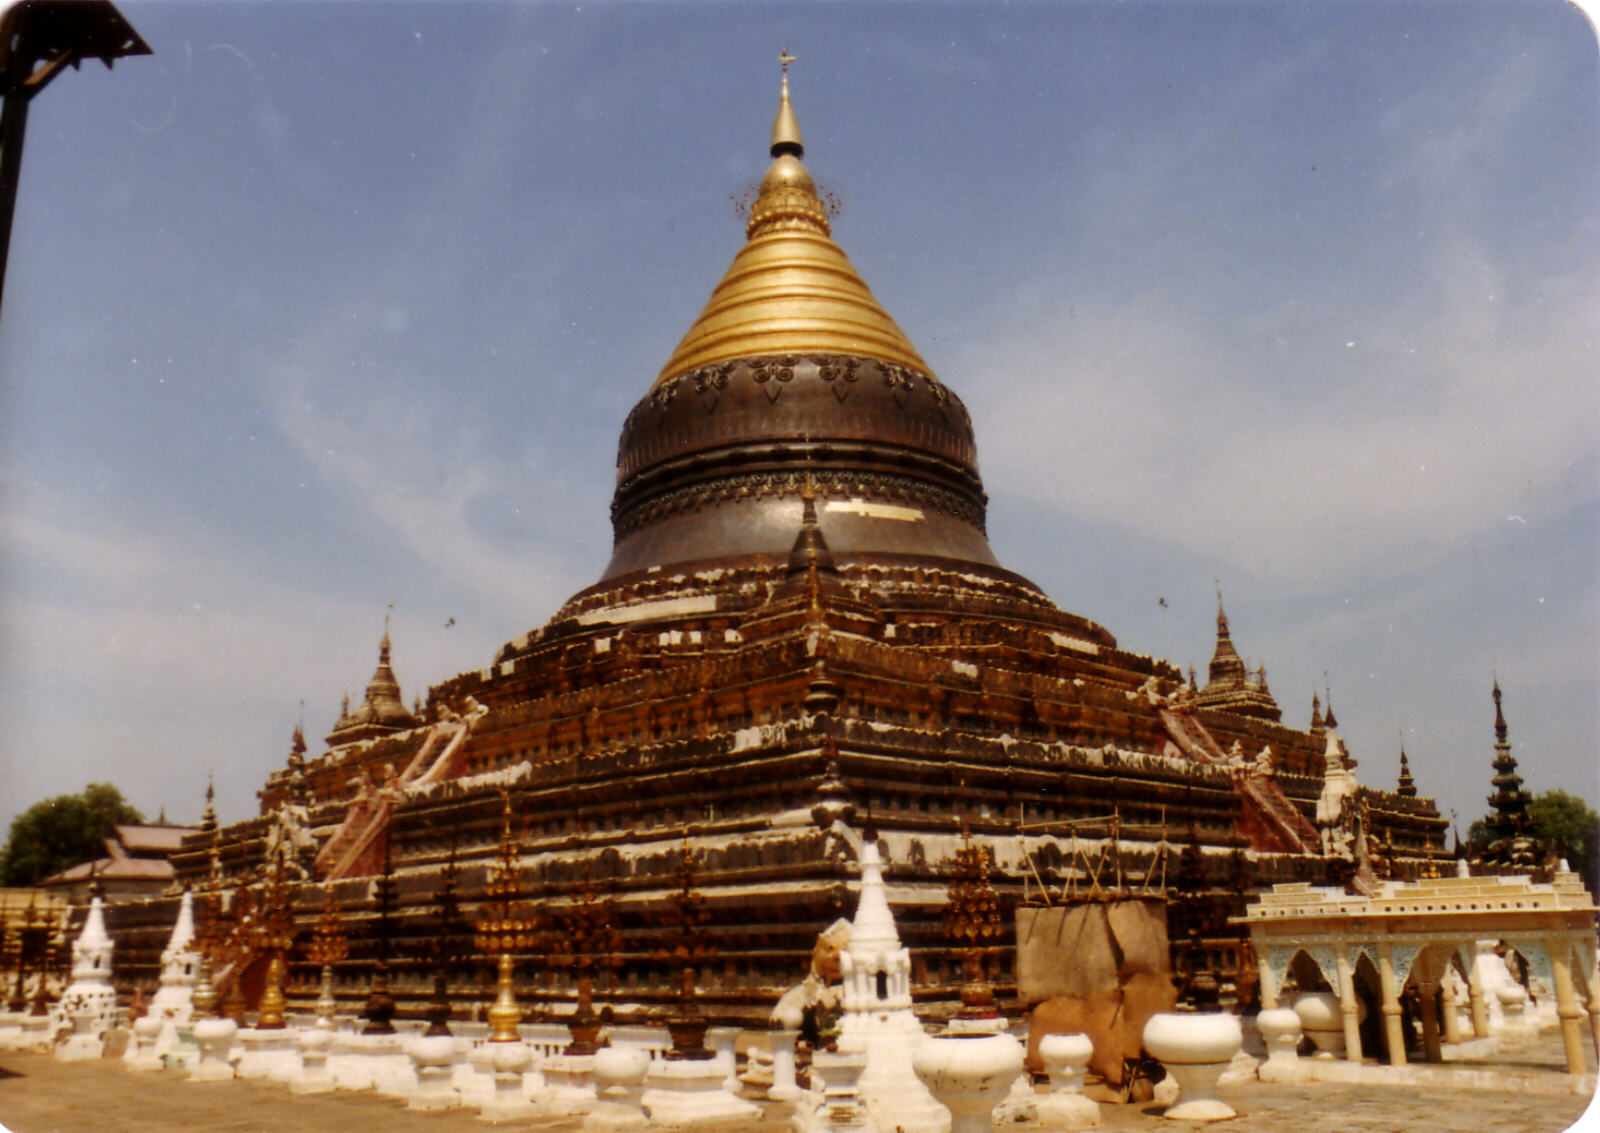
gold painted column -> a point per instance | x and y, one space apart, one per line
1349 1006
1391 1005
1447 1000
1427 999
1567 1009
1480 1012
1592 978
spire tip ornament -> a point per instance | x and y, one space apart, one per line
786 127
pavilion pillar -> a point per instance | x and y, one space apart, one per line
1480 1011
1269 992
1427 996
1447 998
1567 1009
1391 1005
1591 960
1349 1006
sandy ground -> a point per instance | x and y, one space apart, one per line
41 1095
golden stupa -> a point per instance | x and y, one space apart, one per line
790 289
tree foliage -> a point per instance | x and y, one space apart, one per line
1564 820
57 833
1573 826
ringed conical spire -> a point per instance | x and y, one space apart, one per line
1232 687
786 127
790 289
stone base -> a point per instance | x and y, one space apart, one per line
434 1099
473 1077
609 1117
212 1070
80 1048
893 1094
1289 1072
434 1059
1201 1109
317 1082
568 1085
269 1054
693 1094
37 1035
1165 1092
1533 1082
367 1062
508 1061
1243 1068
1470 1050
1021 1104
142 1056
507 1108
1197 1098
1068 1111
145 1062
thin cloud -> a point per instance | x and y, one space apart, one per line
1443 419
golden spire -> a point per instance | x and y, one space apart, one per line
790 289
786 127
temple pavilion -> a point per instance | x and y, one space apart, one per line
802 632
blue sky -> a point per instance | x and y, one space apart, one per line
328 306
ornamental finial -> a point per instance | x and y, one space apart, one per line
786 129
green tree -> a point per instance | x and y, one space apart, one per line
1573 826
54 834
1561 819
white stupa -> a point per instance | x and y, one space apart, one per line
878 1021
173 1003
89 1004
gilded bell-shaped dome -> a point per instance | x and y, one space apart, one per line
790 289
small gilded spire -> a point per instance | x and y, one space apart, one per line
208 817
297 758
1328 720
786 127
1500 729
1227 668
810 552
1408 786
1316 715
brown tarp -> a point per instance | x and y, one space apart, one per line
1078 949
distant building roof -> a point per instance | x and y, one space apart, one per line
113 869
135 853
143 841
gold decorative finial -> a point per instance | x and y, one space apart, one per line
786 128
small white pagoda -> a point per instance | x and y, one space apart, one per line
173 1003
89 1005
878 1021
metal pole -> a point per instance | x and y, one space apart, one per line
13 125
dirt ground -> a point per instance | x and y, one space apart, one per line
41 1095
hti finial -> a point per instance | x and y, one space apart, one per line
786 128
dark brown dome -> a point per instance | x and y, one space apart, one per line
712 462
